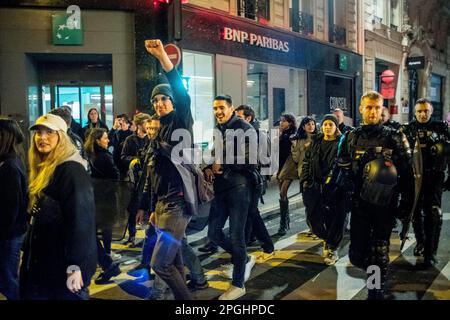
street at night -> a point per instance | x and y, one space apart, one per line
183 153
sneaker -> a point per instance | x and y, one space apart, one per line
418 250
232 293
194 286
314 237
104 277
332 257
430 262
263 257
248 267
115 256
227 271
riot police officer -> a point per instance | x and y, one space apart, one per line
433 139
375 162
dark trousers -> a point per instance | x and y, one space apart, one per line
232 204
104 259
325 214
427 220
167 261
9 267
256 226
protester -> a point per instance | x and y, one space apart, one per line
288 128
339 114
173 105
103 167
132 156
93 122
117 136
325 217
233 188
60 253
14 200
255 226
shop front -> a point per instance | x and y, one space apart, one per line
273 70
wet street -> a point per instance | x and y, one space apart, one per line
297 271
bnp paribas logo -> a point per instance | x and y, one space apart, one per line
67 27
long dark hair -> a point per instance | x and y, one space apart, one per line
11 138
301 133
289 117
94 135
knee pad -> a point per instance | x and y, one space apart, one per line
380 253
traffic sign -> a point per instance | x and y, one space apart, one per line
174 53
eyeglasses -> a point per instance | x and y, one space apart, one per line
163 99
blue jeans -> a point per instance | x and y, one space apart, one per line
167 261
233 204
192 263
9 267
149 245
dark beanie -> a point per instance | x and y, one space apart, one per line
331 117
162 89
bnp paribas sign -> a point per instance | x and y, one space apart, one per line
67 29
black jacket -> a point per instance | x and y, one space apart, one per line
343 128
62 234
76 128
86 128
102 165
133 147
13 198
313 163
164 176
285 147
117 140
236 174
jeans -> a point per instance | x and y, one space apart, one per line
167 261
107 240
233 204
193 264
9 267
132 224
256 226
149 245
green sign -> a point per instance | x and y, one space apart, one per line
67 29
342 62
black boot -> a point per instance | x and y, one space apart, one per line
418 232
433 225
284 217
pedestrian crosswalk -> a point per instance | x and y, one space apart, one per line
297 272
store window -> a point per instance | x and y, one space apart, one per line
254 9
273 90
198 76
436 96
338 94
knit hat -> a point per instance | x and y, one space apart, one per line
330 117
50 121
163 89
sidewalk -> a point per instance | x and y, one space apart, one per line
271 206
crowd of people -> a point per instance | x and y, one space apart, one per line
368 173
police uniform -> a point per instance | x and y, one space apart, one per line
434 144
375 162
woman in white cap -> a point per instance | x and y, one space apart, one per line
60 253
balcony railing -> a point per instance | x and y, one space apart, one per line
305 23
339 35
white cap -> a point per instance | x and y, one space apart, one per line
50 121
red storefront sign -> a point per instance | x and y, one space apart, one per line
388 84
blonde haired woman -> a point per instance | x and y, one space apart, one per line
60 252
